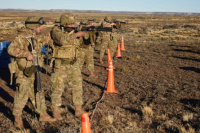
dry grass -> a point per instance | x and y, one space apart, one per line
189 130
20 131
107 119
154 35
147 111
187 117
122 69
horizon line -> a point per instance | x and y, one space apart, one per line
101 10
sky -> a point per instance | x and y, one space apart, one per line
189 6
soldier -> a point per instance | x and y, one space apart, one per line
107 39
66 68
21 52
86 50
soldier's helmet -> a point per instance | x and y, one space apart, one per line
108 18
67 18
33 22
84 22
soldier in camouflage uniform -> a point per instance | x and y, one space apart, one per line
66 69
86 50
109 40
22 60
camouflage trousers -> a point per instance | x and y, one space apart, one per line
86 55
66 75
112 45
115 43
24 90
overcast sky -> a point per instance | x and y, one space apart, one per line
191 6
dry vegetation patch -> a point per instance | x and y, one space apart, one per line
157 78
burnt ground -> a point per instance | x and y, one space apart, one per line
158 84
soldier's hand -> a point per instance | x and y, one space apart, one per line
93 45
30 57
112 24
80 33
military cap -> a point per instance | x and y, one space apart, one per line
108 18
33 22
67 18
84 22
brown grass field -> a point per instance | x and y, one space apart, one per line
157 78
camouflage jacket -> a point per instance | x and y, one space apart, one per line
63 38
105 35
65 44
20 48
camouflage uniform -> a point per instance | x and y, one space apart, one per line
86 50
66 70
20 49
108 39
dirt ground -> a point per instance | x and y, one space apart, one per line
157 79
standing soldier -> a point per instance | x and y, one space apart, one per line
107 39
86 50
21 51
66 68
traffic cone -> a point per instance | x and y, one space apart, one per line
110 81
122 44
118 51
85 123
109 59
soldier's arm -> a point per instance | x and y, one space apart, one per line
80 34
17 48
92 37
64 38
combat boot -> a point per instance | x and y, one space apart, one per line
18 121
101 61
46 118
56 113
78 110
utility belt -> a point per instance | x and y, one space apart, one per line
67 61
60 61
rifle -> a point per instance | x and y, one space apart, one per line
89 28
117 25
124 31
119 22
36 65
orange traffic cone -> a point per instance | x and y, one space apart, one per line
118 51
109 59
122 44
85 123
110 81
